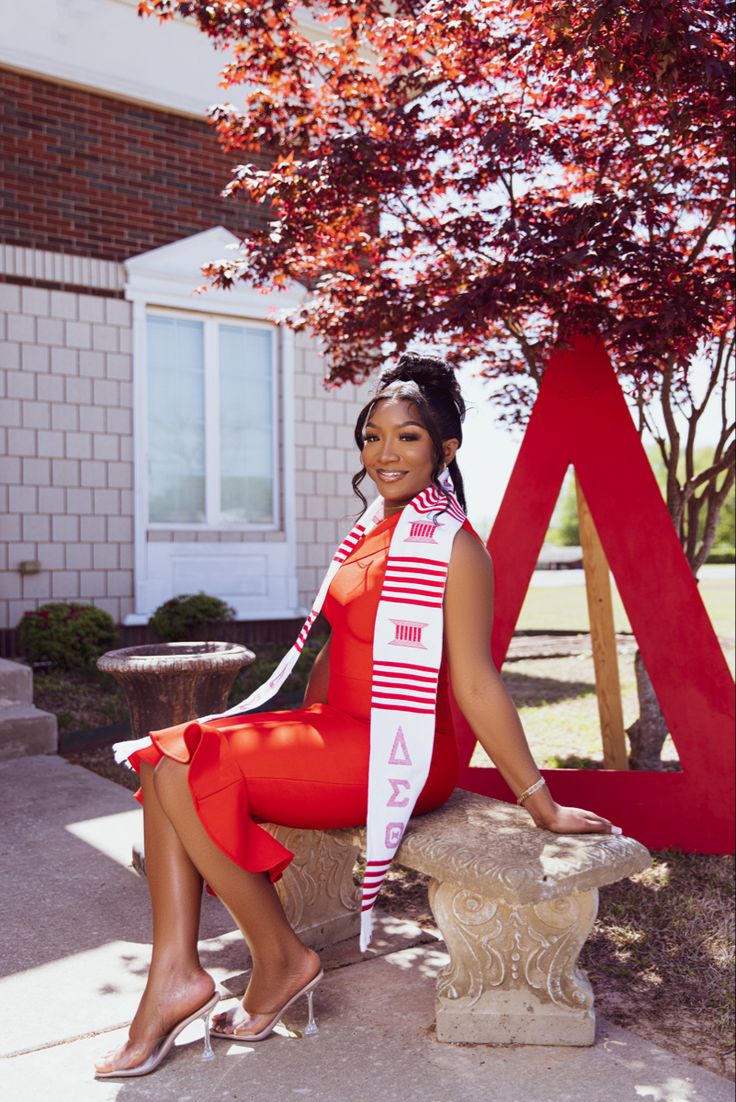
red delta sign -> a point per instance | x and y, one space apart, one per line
581 418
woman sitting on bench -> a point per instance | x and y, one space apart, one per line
409 597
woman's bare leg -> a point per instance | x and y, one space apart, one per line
281 964
177 984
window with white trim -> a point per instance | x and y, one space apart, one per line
211 421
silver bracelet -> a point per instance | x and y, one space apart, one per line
530 790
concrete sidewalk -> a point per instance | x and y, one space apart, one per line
74 933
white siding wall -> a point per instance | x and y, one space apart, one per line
66 472
326 460
66 453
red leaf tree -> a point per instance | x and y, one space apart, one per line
496 174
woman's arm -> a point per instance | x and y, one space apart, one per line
319 678
481 694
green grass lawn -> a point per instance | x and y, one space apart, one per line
556 696
564 608
558 707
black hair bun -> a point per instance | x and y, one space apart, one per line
431 374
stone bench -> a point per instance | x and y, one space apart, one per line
514 905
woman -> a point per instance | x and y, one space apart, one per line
206 785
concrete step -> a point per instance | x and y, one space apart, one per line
26 730
16 683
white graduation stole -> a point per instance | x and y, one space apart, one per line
407 654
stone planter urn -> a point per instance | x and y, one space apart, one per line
169 683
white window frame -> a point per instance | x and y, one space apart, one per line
167 279
214 521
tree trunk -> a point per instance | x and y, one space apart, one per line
648 733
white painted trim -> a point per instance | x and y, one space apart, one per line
140 456
172 276
103 46
134 619
79 271
255 306
244 529
276 433
287 358
172 66
211 373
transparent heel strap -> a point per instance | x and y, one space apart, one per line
311 1027
207 1054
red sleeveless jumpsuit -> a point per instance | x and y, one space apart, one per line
307 767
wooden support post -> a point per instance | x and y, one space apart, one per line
603 638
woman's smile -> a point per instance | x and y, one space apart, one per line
390 476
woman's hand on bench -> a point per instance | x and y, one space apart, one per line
573 820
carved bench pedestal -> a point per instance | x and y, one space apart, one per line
514 905
513 975
317 890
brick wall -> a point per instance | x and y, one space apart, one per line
326 460
92 175
66 463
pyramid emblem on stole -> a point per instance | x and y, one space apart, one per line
399 751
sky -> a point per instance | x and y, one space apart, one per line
489 452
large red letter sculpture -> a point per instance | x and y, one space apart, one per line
581 418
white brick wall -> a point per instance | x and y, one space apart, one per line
63 369
66 449
326 460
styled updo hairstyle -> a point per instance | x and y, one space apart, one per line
431 385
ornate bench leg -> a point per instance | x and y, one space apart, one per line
513 975
317 890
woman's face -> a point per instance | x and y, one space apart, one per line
397 452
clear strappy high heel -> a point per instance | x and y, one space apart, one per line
272 1019
163 1046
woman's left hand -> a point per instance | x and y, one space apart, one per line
576 820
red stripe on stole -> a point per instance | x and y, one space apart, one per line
413 558
413 567
413 601
406 585
415 697
404 684
407 581
391 585
410 685
403 708
406 677
420 572
406 666
410 591
423 696
397 688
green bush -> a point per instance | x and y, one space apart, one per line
174 621
67 634
722 555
